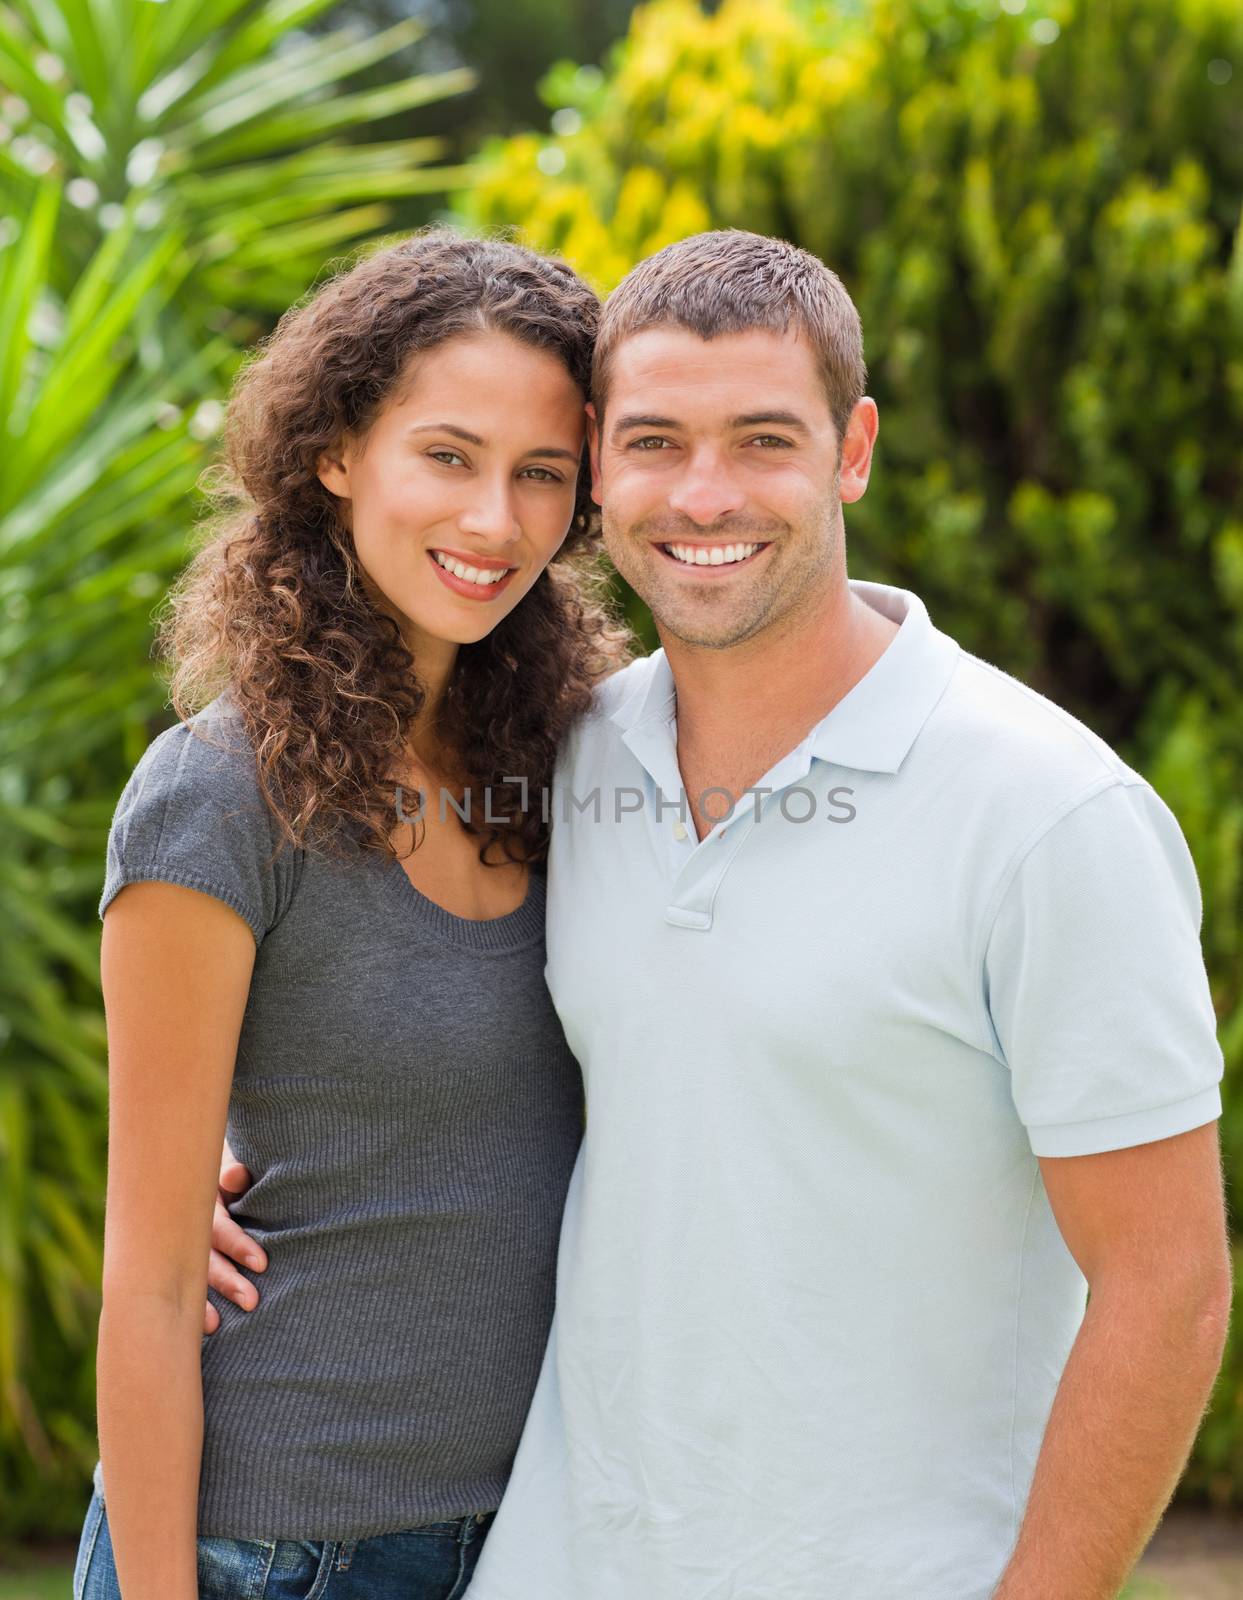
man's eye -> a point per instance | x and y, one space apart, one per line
651 442
449 457
770 439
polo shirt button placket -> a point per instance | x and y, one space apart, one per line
701 875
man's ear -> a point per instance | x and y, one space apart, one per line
857 447
332 470
593 448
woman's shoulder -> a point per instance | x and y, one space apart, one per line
206 759
193 813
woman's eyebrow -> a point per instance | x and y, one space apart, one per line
473 438
446 427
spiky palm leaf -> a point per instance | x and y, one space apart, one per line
222 118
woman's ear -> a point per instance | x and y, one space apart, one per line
332 470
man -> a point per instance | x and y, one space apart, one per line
884 976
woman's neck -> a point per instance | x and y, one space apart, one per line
434 661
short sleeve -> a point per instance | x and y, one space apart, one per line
1095 981
193 814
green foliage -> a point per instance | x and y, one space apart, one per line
157 164
225 121
511 45
1039 216
44 1582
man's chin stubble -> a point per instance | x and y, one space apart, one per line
721 638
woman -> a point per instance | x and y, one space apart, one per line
304 938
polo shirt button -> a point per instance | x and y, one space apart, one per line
679 830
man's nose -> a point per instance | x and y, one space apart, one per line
706 490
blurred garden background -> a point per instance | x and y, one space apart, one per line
1037 205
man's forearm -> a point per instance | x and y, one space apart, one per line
1126 1413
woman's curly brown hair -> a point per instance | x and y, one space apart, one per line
273 607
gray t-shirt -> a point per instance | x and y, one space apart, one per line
406 1102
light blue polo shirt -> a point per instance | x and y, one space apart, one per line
812 1304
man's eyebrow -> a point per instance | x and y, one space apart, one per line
779 419
624 424
752 419
473 438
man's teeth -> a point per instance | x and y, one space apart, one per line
471 574
719 555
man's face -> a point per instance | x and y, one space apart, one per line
717 469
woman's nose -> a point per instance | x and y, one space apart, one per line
490 514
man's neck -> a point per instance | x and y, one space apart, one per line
742 708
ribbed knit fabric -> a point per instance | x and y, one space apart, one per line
407 1104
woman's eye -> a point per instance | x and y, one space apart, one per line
543 475
449 457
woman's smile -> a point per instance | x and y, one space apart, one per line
473 577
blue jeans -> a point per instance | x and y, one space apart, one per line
434 1562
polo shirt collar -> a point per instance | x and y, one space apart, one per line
873 727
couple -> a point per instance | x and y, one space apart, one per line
882 973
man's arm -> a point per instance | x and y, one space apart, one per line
1147 1228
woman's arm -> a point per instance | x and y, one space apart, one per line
176 968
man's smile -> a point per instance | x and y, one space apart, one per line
713 558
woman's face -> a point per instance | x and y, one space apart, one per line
463 489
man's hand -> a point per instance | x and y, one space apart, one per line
231 1245
1147 1228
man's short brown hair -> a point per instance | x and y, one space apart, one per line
731 281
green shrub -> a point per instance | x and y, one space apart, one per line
1039 218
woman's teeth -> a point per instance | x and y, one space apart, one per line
719 555
470 574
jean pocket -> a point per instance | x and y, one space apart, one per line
300 1569
233 1569
450 1529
